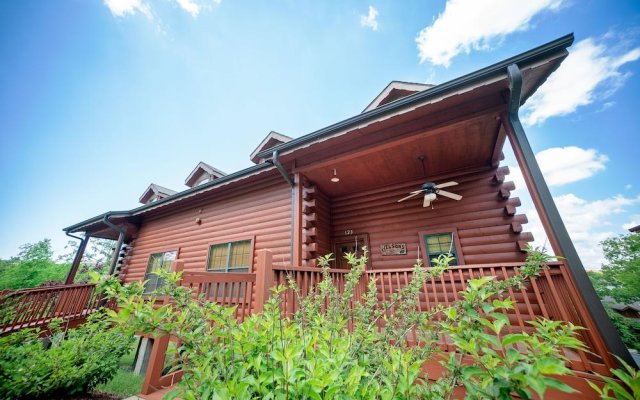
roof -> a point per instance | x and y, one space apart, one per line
155 190
272 139
199 170
402 89
538 55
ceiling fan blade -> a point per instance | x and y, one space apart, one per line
413 194
426 202
449 195
446 184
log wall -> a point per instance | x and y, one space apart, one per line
261 212
488 227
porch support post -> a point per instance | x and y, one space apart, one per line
264 279
550 217
77 259
296 214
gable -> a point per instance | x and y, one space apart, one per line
154 193
272 139
396 90
203 172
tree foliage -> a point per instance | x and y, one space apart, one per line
620 277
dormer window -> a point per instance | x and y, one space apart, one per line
203 173
270 141
154 193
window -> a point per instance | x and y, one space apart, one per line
440 243
157 262
230 257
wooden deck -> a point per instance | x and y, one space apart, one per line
36 308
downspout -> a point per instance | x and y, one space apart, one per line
565 246
77 258
122 233
275 160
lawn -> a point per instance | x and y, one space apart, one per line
125 383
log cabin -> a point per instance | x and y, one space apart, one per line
377 179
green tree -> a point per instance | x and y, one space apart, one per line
620 277
32 267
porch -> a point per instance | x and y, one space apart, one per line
552 295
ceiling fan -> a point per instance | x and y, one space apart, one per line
432 190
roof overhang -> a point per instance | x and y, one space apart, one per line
96 224
536 65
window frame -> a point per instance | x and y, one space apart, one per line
229 241
440 231
145 279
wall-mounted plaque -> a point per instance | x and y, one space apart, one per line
394 249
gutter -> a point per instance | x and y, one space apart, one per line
609 335
275 160
209 185
494 70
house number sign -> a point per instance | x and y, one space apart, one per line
394 249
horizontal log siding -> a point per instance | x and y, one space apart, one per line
260 210
484 225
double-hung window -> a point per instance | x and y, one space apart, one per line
157 262
230 257
438 244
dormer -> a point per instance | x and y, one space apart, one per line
202 173
394 91
154 193
271 140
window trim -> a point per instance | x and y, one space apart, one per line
439 231
232 239
144 277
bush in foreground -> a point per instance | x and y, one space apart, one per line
335 347
75 362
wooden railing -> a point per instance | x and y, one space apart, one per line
227 289
31 308
551 295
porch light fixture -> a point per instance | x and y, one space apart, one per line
335 178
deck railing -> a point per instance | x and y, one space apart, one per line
551 295
227 289
31 308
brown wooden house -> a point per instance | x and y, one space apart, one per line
338 189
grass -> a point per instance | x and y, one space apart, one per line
125 383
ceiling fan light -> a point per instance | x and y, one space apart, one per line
430 196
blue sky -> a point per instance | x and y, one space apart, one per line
101 98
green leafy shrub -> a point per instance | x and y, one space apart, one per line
340 347
612 390
75 362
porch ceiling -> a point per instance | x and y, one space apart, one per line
472 143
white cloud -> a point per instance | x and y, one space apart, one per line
587 223
628 186
120 8
190 7
471 24
635 221
590 72
562 165
371 19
